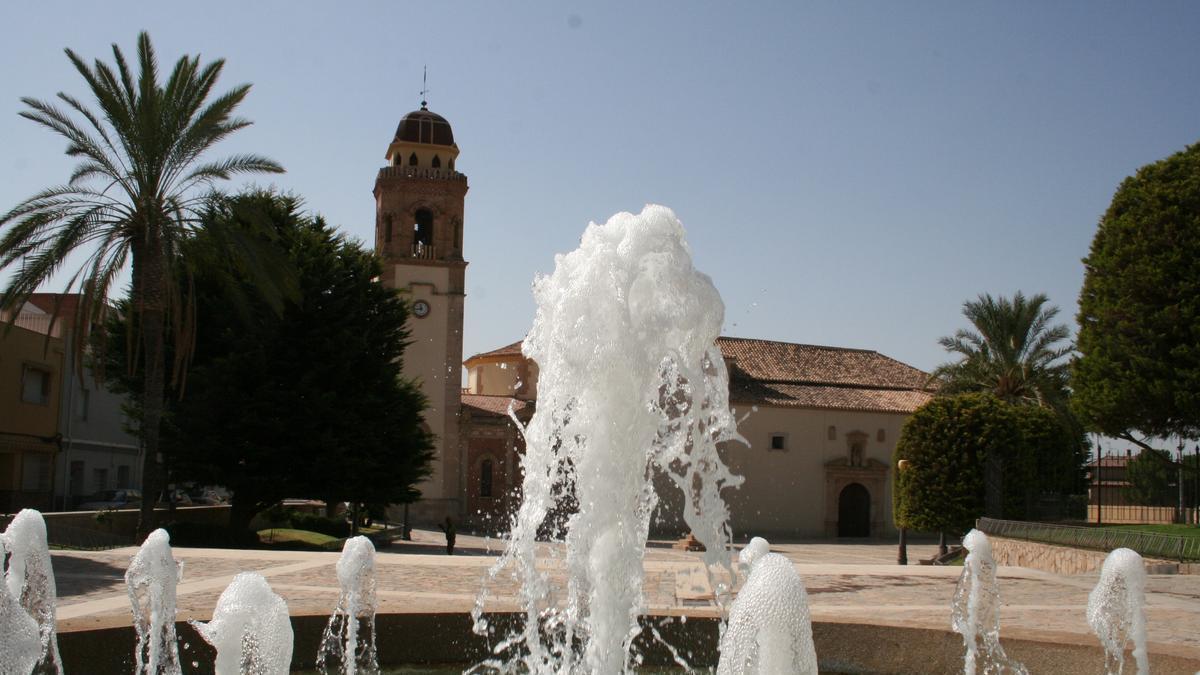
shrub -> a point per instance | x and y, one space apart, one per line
334 527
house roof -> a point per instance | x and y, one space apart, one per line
494 406
790 375
513 349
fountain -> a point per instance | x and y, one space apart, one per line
151 579
250 629
343 650
1116 610
630 384
631 388
20 634
769 631
976 610
30 581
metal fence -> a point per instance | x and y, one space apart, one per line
1148 544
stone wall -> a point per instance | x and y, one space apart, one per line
1065 560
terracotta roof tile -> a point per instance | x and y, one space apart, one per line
492 405
770 361
507 350
785 374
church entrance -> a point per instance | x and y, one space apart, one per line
854 511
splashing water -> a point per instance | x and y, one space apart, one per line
151 580
20 643
342 649
975 612
30 582
630 385
250 629
1116 610
770 630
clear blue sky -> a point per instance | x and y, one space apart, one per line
849 173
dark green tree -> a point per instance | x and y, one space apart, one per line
306 403
1014 351
945 445
133 198
1137 376
1151 475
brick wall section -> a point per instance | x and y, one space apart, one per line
1065 560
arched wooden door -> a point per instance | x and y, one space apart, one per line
854 511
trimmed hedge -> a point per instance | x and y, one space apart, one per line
948 442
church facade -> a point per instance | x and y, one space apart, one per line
821 422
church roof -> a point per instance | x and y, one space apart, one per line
790 375
424 126
793 375
496 406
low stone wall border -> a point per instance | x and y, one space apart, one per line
1067 560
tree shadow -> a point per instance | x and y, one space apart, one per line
76 575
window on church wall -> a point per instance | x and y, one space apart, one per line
412 159
485 478
437 162
387 229
423 228
451 167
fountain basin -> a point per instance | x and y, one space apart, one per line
433 638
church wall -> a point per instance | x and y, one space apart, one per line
788 491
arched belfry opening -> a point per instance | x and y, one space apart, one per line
423 228
412 159
437 162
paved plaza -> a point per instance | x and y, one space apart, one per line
845 582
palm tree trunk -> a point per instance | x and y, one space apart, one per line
150 287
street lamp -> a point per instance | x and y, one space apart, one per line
902 551
1179 481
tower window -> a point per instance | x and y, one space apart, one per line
412 159
387 229
423 228
451 164
485 478
437 162
779 441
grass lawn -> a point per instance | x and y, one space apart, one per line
1166 528
296 539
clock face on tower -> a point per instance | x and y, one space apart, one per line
421 309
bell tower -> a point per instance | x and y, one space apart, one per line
419 234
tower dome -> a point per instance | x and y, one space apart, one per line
426 127
423 141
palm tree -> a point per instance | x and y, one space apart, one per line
1014 352
134 197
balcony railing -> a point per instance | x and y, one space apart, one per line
424 251
420 172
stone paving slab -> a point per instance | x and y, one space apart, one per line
845 582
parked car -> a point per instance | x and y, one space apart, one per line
124 498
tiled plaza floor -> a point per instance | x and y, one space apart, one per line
845 582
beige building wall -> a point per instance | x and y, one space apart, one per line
31 369
795 490
512 376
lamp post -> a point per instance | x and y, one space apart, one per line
1099 487
1179 482
902 551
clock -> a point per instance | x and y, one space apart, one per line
421 309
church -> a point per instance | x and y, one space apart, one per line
822 422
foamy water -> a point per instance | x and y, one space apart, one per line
630 385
